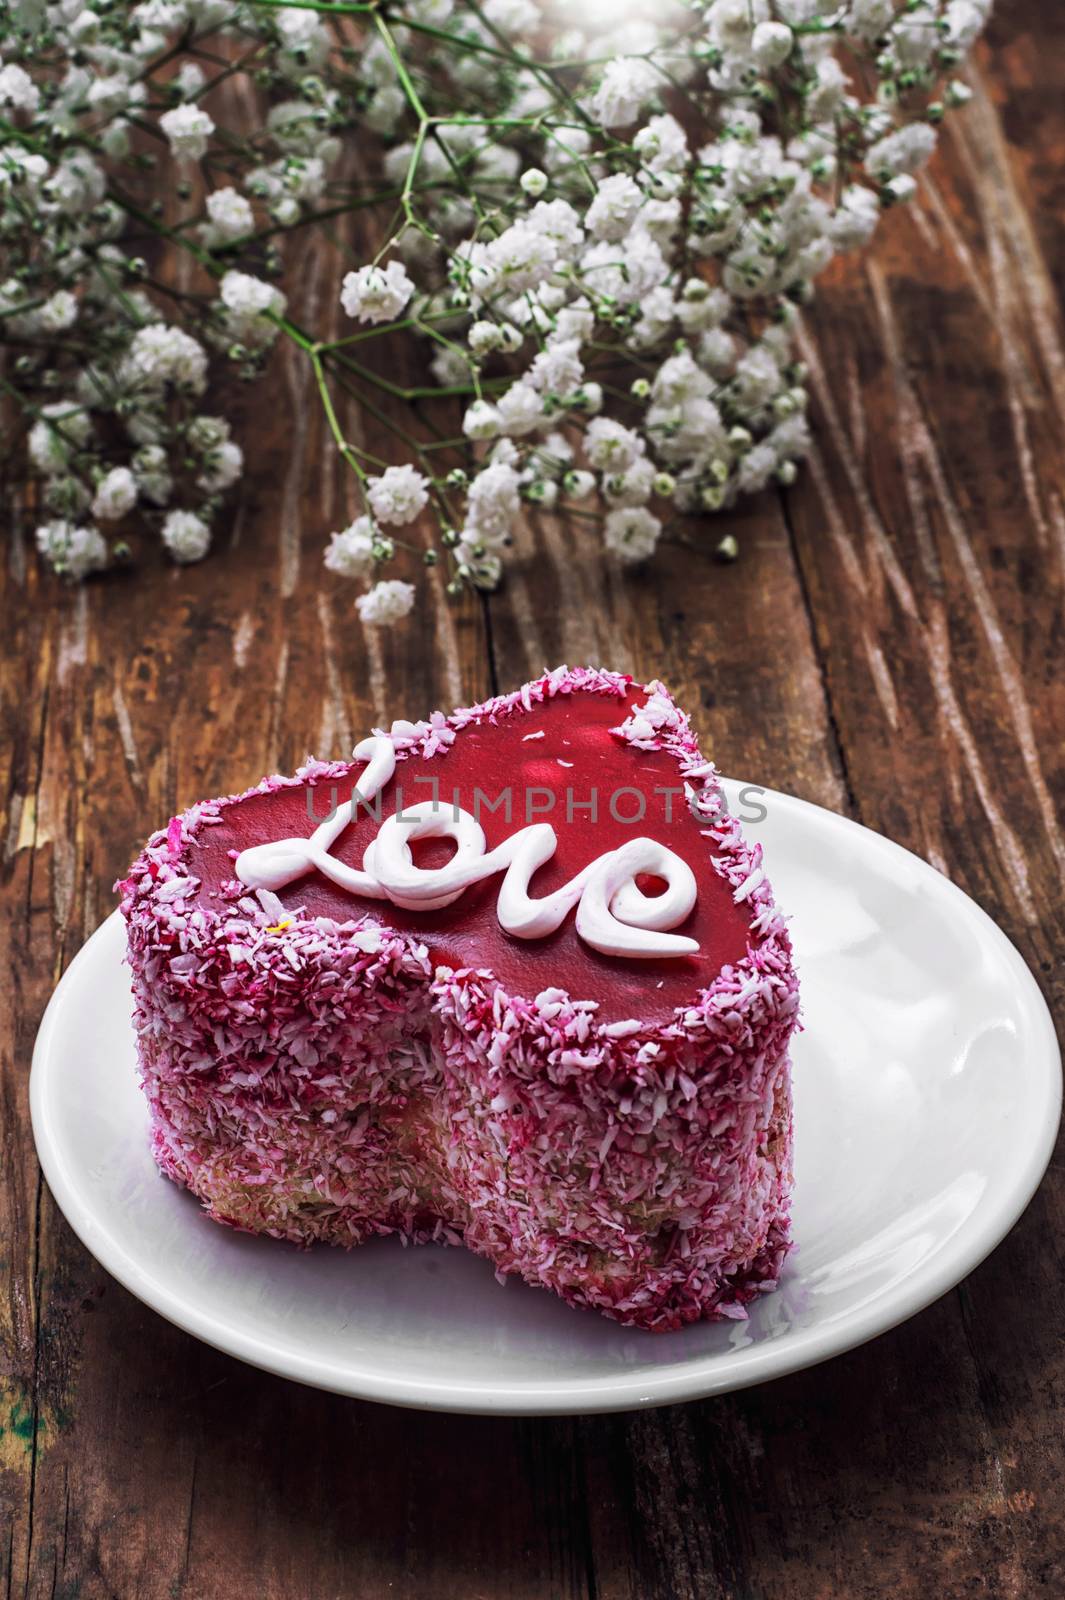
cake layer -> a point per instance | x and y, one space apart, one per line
322 1066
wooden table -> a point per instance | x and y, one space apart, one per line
891 644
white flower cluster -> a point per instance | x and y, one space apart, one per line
623 238
604 238
111 370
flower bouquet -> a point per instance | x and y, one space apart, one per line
601 236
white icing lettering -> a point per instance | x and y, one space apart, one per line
614 915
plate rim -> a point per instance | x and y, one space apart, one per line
978 1236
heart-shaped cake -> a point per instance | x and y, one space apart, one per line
513 979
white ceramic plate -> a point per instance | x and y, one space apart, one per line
927 1089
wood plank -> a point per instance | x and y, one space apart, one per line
122 702
926 696
928 535
928 540
732 640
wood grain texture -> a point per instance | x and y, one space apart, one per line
891 645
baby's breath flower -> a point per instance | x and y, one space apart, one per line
902 188
188 129
904 151
521 258
74 552
579 484
558 368
483 568
190 79
207 433
614 207
492 504
60 311
230 215
66 495
482 421
521 409
351 552
485 336
17 89
756 467
223 465
632 533
632 487
116 495
251 308
398 495
387 602
62 429
152 473
631 336
662 144
377 294
627 84
161 354
611 446
186 536
771 43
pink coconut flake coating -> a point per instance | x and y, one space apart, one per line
325 1079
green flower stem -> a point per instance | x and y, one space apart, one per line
227 72
405 81
461 443
27 407
542 71
342 8
342 445
388 327
342 378
314 351
442 392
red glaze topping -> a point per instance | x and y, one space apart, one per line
576 756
